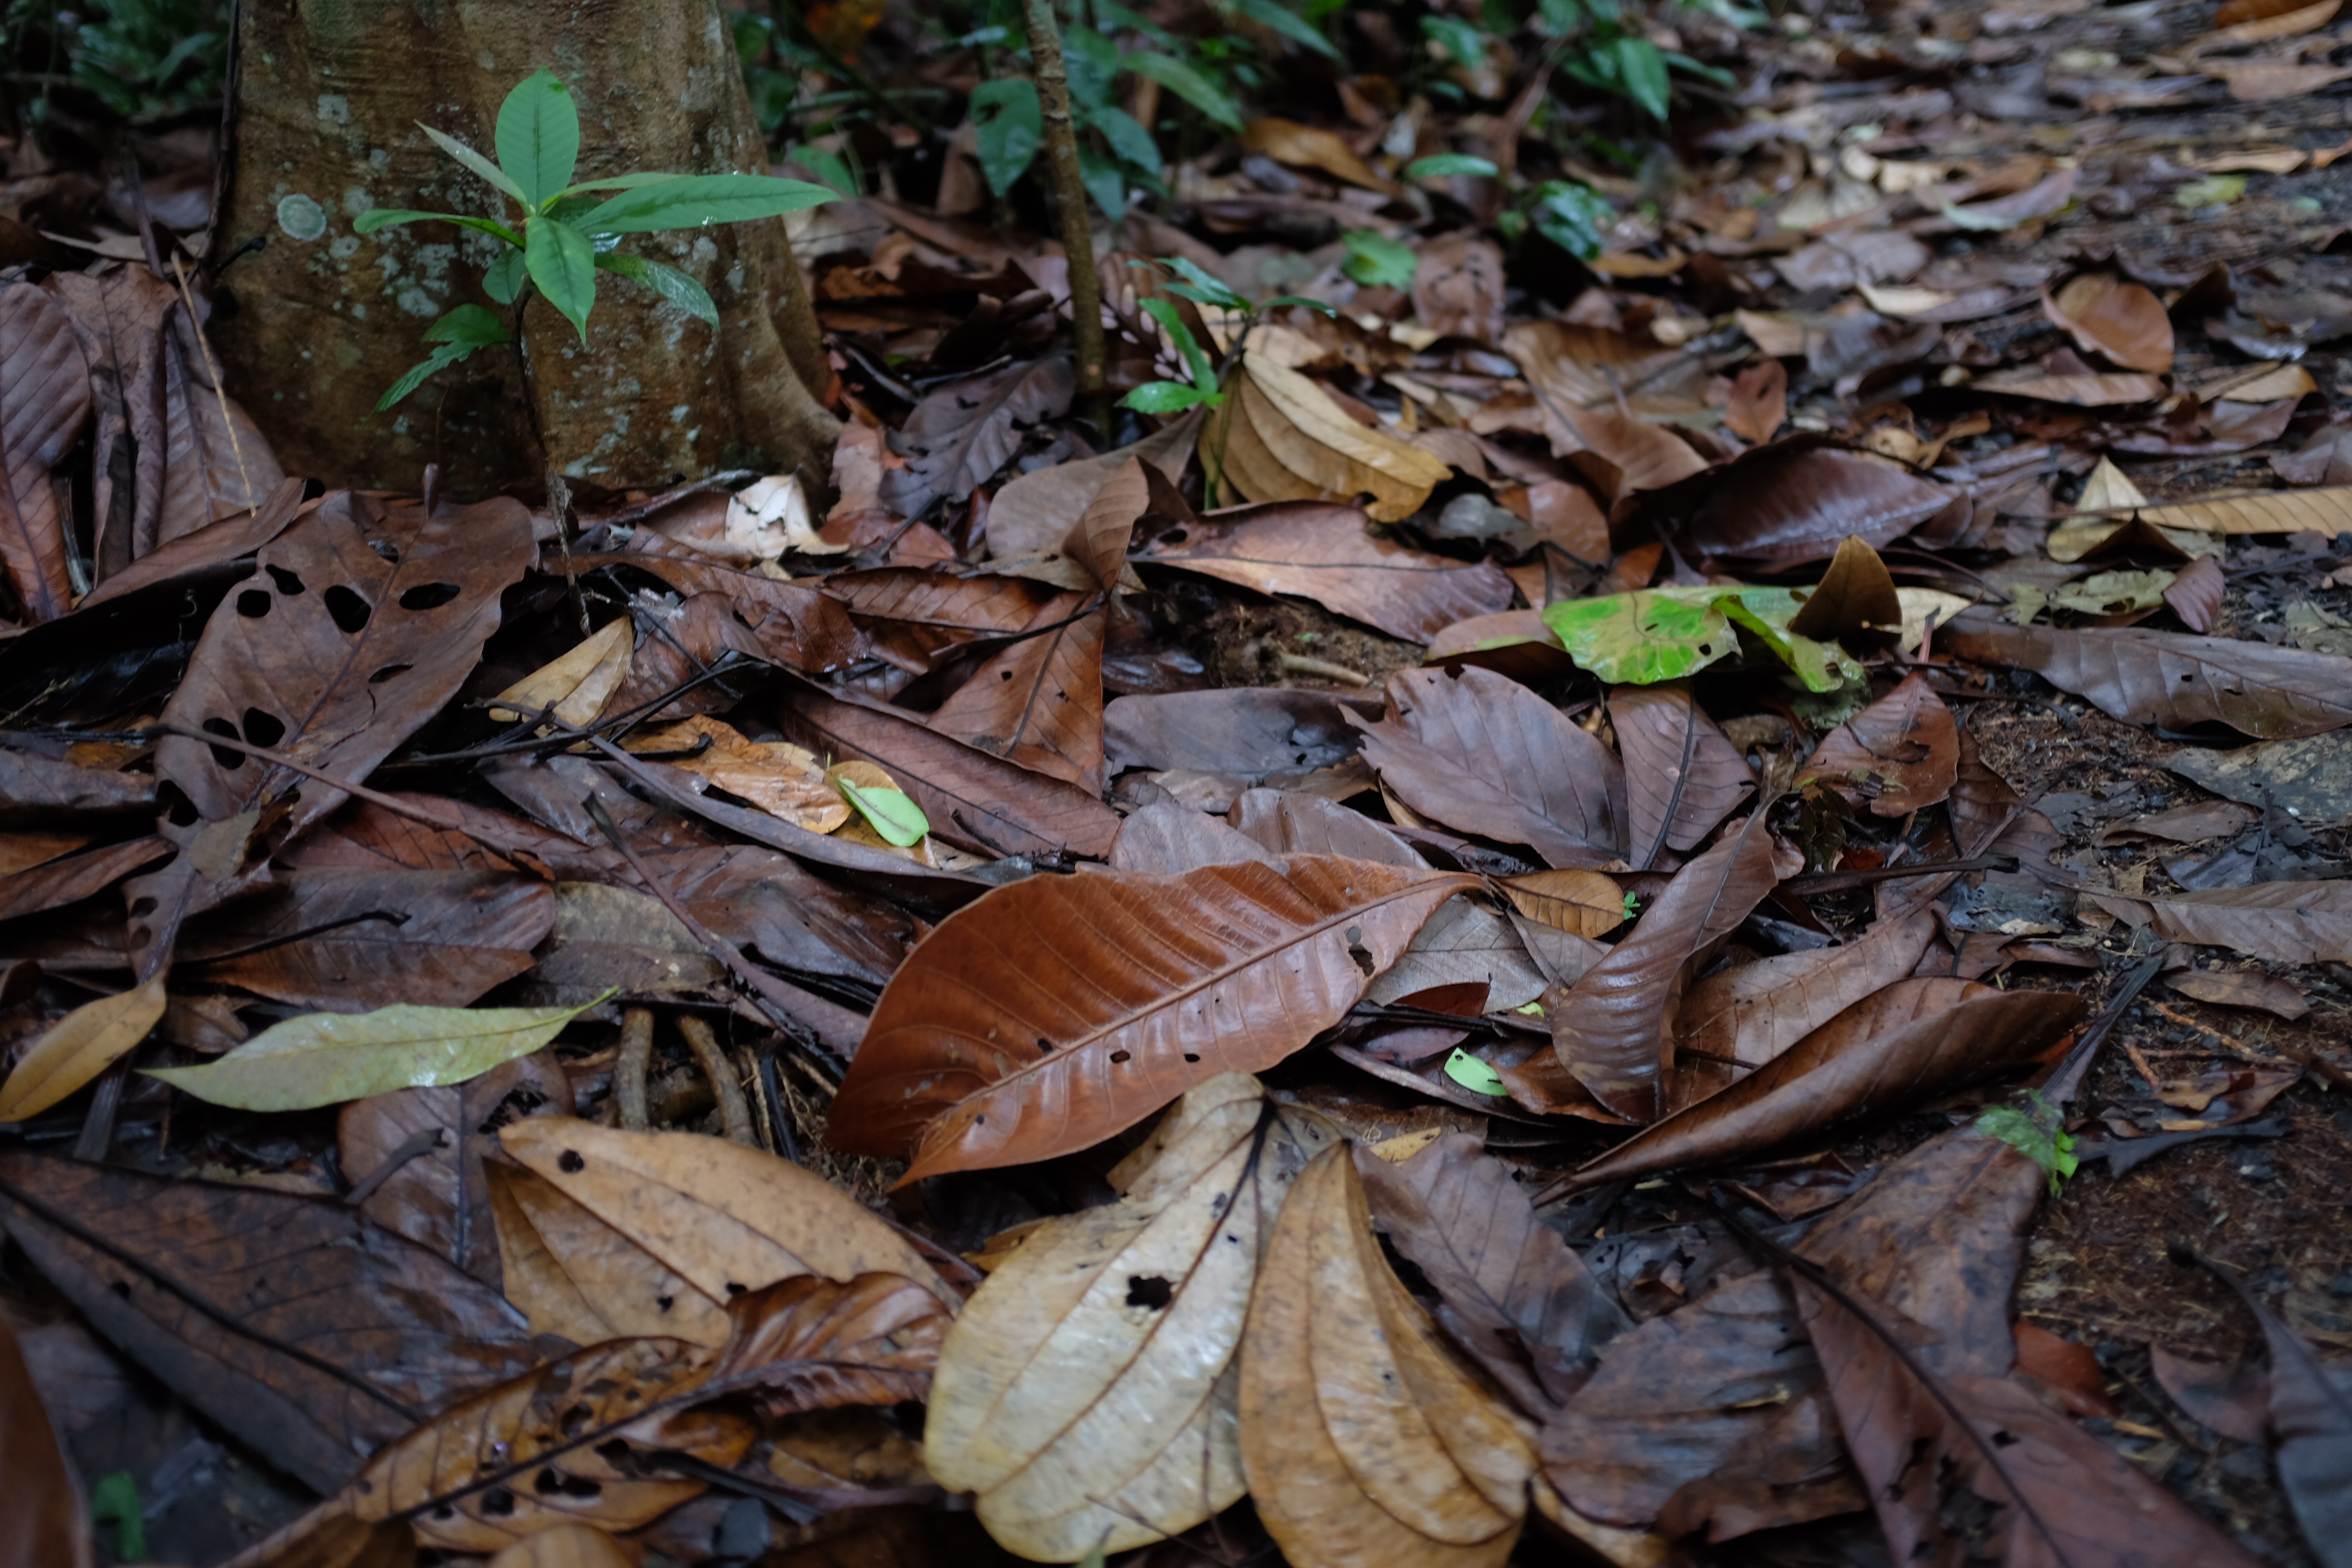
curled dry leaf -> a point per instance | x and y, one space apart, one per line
1362 1439
1902 752
911 616
2169 678
577 685
1029 522
1481 753
780 778
1164 837
79 1046
1325 553
580 1279
959 435
2121 320
1572 365
45 401
1683 776
1279 436
1511 1293
1087 1391
2284 922
1909 1043
1612 1031
1289 823
1056 1011
724 1217
1751 1013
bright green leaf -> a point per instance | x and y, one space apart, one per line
668 282
615 183
384 217
1190 83
503 279
539 136
476 161
115 1500
443 356
698 201
1212 290
1474 1075
1127 138
1571 215
1279 300
1166 398
1442 165
1641 637
2212 191
471 325
327 1059
1460 41
1641 70
564 264
1767 612
1171 321
1009 126
2036 1130
891 813
1377 261
1276 19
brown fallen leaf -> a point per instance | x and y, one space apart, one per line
2169 678
1759 405
37 791
2240 13
1751 1013
1790 501
564 1546
1585 902
1458 289
1683 777
1058 1011
2234 1401
959 435
1901 753
2267 81
2241 988
1613 1030
1030 520
1325 553
2070 1371
1482 754
787 624
1289 823
2282 922
1362 1439
1621 453
2108 316
1856 594
1086 1392
1908 1043
2326 510
2091 391
1287 141
1511 1293
79 1046
45 401
341 1337
1279 437
2195 593
576 684
912 616
44 1526
579 1278
1039 703
1575 365
781 779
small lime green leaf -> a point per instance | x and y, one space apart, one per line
1210 289
1168 397
1767 612
1474 1075
890 812
666 282
1530 1010
115 1500
326 1059
476 161
564 264
503 279
1270 15
470 325
539 136
1190 83
2035 1128
1377 261
1443 165
1642 71
1632 906
2212 191
1646 636
1009 125
384 217
698 201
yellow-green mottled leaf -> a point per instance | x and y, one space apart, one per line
326 1059
1767 612
1644 637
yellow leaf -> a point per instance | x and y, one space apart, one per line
565 1546
2327 511
780 778
1284 439
77 1048
1286 142
1585 902
576 685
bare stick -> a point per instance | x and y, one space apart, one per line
1070 192
734 1111
629 1069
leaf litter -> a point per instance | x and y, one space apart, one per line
1526 920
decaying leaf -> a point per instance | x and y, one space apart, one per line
79 1046
1902 752
1087 1391
44 1526
780 778
1585 902
1280 438
2327 511
1039 703
1790 501
1681 775
2108 316
576 684
45 401
1751 1013
1856 594
1362 1439
961 435
2284 922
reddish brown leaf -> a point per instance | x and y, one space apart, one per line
1681 775
1909 1043
1458 289
1902 752
1164 839
43 1526
1634 454
912 616
76 877
1613 1030
1099 539
44 403
1759 405
2232 1400
1482 754
37 791
2169 678
1039 703
1784 503
2068 1370
961 435
2108 316
971 798
1060 1010
1289 823
1751 1013
2196 593
790 625
1327 552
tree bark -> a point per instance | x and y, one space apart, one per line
1070 196
324 114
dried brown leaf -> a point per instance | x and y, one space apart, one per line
45 401
1279 437
1039 702
1683 776
2108 316
1791 501
1902 752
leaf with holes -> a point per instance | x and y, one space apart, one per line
1054 1013
1086 1392
1039 703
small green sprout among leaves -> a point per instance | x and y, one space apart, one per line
568 232
1202 289
2033 1128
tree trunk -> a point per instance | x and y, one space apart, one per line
325 109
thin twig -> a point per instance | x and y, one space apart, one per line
236 447
1070 194
734 1111
1838 881
630 1067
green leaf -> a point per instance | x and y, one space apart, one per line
1171 321
1474 1075
1127 138
613 182
327 1059
1377 261
471 325
1212 290
830 168
1190 83
891 813
476 161
698 201
1571 215
1442 165
1009 125
1168 397
1122 18
1643 71
1461 41
1560 17
1281 299
1091 64
668 282
1104 182
503 279
384 217
539 136
1297 28
443 356
1689 67
2212 191
1646 636
1767 612
115 1500
564 264
2036 1130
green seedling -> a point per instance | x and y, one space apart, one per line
2033 1128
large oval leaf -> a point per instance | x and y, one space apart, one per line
1058 1011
